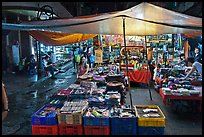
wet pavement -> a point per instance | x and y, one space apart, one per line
29 98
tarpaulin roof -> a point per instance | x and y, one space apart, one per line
143 19
58 39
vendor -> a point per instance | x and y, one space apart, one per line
83 66
182 59
197 55
196 66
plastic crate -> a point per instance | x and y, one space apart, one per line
150 130
49 119
123 126
96 130
69 129
70 118
44 130
96 121
142 121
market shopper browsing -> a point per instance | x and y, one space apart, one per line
48 66
196 66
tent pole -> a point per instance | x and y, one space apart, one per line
127 62
150 95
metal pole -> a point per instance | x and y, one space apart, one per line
126 62
147 71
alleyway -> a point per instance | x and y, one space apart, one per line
25 102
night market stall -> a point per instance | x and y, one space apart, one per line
144 19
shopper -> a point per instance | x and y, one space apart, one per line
198 56
149 59
73 59
48 66
4 103
83 66
182 60
88 54
196 66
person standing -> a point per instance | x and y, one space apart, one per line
197 56
196 66
149 59
74 59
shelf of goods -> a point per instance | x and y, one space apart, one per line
160 44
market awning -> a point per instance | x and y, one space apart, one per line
58 39
143 19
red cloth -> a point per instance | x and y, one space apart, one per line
166 97
141 76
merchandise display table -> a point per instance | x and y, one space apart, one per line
169 96
140 76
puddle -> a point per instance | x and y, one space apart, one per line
68 77
34 78
59 81
33 92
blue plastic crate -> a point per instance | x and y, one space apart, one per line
96 121
49 119
142 130
123 126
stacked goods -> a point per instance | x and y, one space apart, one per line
96 121
151 120
112 98
81 93
115 77
70 117
57 102
98 78
72 112
123 121
104 98
44 121
63 92
85 77
88 84
119 87
74 86
96 101
60 97
114 85
98 91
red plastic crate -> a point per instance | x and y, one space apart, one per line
96 130
70 129
45 130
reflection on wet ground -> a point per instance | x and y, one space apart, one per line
28 100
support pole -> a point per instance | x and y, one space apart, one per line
127 62
150 95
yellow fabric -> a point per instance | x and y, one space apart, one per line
59 39
192 34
